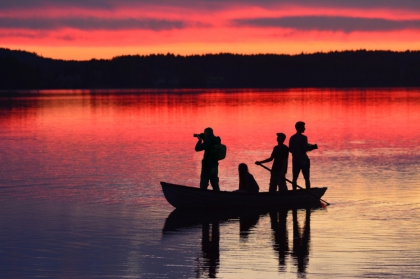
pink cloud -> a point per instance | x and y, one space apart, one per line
187 27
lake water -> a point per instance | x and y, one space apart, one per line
80 194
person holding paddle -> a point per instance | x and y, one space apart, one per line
299 145
280 155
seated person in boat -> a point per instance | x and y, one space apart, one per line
280 155
247 181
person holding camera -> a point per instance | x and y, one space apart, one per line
209 164
280 155
298 145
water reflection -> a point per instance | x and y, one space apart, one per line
246 223
301 238
278 222
210 249
214 226
114 149
208 262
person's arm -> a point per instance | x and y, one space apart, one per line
310 147
291 144
305 143
266 160
202 144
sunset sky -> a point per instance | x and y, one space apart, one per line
86 29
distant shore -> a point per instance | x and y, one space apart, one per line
20 70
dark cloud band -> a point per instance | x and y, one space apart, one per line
327 23
91 24
210 5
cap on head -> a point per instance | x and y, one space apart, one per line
281 136
300 126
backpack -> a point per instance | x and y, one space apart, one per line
218 152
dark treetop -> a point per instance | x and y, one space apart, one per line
24 70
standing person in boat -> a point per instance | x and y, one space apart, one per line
299 145
280 155
209 164
247 181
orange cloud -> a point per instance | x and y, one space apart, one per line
80 30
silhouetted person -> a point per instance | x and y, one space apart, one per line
278 220
298 145
280 155
209 164
301 240
247 181
210 247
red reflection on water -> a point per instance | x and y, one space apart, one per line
112 146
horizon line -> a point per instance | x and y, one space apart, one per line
209 54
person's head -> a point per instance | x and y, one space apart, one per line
281 137
300 126
242 168
208 132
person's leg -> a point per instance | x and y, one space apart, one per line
214 178
273 183
282 184
295 172
306 173
204 178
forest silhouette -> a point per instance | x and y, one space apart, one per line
24 70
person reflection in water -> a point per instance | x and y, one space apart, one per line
278 220
210 248
246 223
301 238
209 164
298 145
301 241
247 181
280 155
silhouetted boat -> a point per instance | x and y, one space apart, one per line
181 196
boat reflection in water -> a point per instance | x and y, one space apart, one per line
180 220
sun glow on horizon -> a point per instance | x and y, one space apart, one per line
102 31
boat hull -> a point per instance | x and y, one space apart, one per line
185 197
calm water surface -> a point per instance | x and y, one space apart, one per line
80 194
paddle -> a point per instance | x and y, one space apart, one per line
297 186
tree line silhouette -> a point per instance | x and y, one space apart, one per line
361 68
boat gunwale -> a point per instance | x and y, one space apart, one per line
290 192
181 196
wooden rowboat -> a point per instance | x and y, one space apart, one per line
185 197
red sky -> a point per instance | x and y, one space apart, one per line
86 29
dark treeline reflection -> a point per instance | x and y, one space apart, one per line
24 70
208 263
